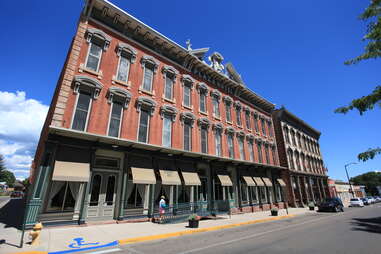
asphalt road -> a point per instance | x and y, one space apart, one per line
357 230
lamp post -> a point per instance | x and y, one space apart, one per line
346 171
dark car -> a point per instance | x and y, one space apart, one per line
331 205
17 194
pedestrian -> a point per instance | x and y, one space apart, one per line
162 206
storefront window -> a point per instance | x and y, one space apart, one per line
254 194
262 193
95 190
134 200
244 194
62 196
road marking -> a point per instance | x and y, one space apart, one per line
106 251
258 234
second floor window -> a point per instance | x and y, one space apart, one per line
216 107
259 147
123 69
94 57
263 127
187 136
168 89
167 130
115 119
256 123
291 159
82 111
238 113
218 144
228 113
248 125
287 137
148 78
143 126
241 149
271 132
267 154
204 140
203 102
231 146
273 150
251 151
187 95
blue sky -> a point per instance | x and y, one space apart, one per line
290 52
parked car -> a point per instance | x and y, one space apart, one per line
17 194
371 200
331 205
356 202
378 199
365 201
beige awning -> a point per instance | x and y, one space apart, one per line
71 171
143 176
267 182
258 181
281 182
191 178
225 180
249 180
170 177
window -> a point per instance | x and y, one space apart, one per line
238 113
263 126
123 69
81 112
287 137
62 196
291 159
278 192
203 102
271 132
148 78
216 107
262 193
231 146
273 150
259 147
267 154
115 119
256 123
298 139
94 57
143 126
204 140
247 114
218 143
168 89
251 151
241 148
167 130
254 194
95 190
228 113
293 138
297 160
187 136
244 194
187 96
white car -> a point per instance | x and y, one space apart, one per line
356 202
371 200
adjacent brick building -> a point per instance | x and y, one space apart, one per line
135 116
299 152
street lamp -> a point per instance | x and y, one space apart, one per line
346 171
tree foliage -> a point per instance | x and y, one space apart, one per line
8 177
2 163
372 16
371 180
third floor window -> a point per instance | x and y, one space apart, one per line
94 57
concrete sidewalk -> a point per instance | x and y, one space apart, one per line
59 238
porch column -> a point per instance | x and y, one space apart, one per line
234 175
311 189
78 201
299 189
86 194
306 189
124 188
321 197
34 204
291 192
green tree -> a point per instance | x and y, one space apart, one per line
372 17
371 180
2 163
8 177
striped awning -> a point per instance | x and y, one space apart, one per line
249 180
281 182
143 176
71 171
191 178
258 181
170 177
267 181
225 180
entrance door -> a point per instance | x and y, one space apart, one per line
102 196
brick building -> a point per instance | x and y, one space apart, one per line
135 116
299 152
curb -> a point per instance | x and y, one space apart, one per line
200 230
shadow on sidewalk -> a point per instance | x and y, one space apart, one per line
12 214
372 225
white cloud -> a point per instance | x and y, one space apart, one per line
20 126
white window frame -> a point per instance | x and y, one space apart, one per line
88 111
109 119
148 126
190 136
167 76
128 69
165 118
88 53
218 148
206 130
241 149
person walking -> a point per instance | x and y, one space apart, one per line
162 206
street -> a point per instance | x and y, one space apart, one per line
356 230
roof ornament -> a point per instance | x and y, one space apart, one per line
216 62
189 45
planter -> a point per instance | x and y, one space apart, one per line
312 208
274 213
193 223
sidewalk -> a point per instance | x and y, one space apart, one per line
59 238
